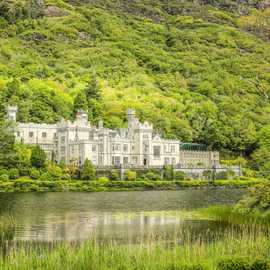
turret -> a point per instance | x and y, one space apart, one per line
131 117
82 117
12 113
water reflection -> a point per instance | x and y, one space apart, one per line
124 216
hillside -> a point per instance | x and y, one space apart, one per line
199 70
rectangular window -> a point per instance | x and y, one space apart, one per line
18 134
94 148
116 147
63 139
167 161
31 134
125 160
156 151
125 147
145 136
173 149
116 160
134 160
63 150
44 135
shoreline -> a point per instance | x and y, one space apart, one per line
28 185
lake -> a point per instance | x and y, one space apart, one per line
118 216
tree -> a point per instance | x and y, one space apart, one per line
88 171
36 8
7 141
80 103
92 90
13 10
38 157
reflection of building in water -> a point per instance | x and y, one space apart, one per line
88 225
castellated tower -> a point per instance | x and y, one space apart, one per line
12 113
131 117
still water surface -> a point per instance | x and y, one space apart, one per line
117 216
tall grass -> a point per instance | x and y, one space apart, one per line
232 215
153 254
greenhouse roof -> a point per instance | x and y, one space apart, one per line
193 147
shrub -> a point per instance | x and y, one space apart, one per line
151 176
45 177
103 179
34 173
186 267
168 173
260 264
233 264
221 175
66 176
3 171
4 177
88 171
13 173
38 157
179 176
55 171
114 175
131 175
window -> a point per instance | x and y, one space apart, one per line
18 134
145 136
116 147
125 147
173 149
167 161
116 160
31 134
94 148
63 139
134 160
63 150
44 135
54 135
125 160
156 151
173 161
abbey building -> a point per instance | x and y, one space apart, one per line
137 145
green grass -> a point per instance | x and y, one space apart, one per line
247 245
233 215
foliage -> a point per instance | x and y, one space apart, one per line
130 175
34 173
88 171
4 177
233 264
114 175
258 199
13 173
196 69
55 171
38 157
103 179
7 140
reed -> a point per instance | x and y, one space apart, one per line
248 243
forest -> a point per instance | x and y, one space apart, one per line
199 70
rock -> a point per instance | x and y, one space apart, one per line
54 11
